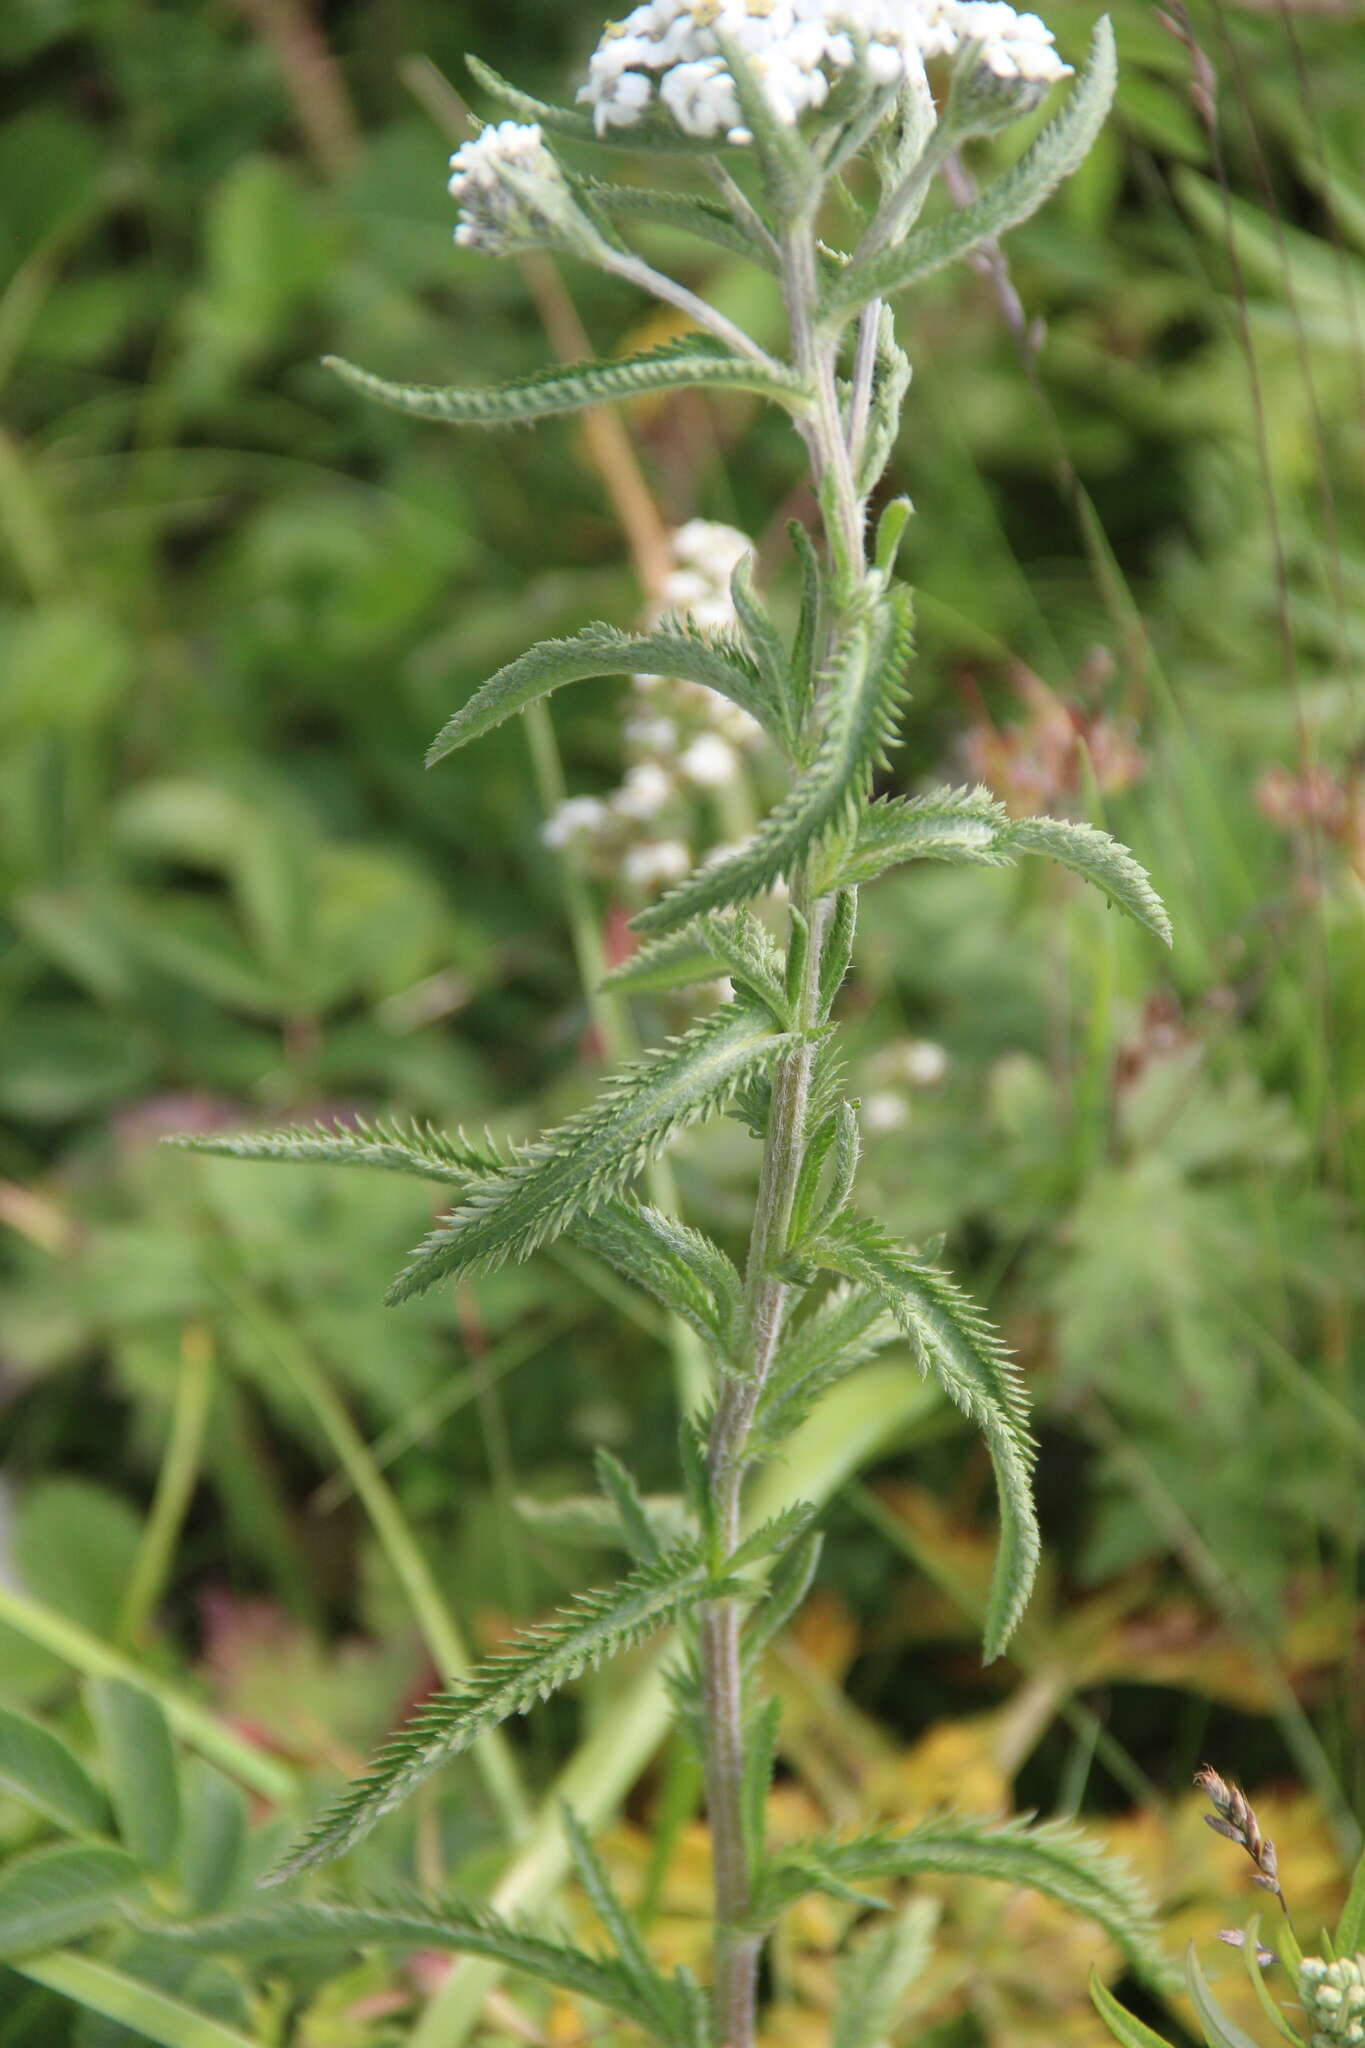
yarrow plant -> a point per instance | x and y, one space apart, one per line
775 103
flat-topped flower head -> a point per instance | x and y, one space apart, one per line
1007 63
512 193
1334 1999
671 55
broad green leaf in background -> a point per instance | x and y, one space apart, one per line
56 1894
140 1764
40 1770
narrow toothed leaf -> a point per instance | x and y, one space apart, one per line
679 1266
804 647
1059 150
760 1765
389 1144
765 644
958 1346
627 1502
838 949
876 1973
588 1161
776 1537
791 1581
1104 861
655 1995
707 219
888 395
292 1927
1052 1857
679 650
946 824
847 1329
866 693
678 960
698 363
538 1662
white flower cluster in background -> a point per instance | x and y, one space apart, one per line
902 1067
683 741
667 53
509 188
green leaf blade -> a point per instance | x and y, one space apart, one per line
675 649
960 1349
1127 2031
38 1769
540 1661
867 693
54 1895
1099 859
144 1783
694 364
589 1160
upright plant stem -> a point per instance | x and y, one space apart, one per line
737 1944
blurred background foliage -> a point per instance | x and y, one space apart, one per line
235 606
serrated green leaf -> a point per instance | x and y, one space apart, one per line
867 690
1058 151
589 1160
1219 2031
656 1996
708 219
41 1771
774 1538
390 1145
764 643
292 1927
787 1588
760 1765
876 1973
1052 1857
678 960
959 1348
697 363
682 650
679 1266
595 1627
1129 2032
848 1328
584 1521
838 949
807 639
140 1768
961 825
1104 861
56 1894
627 1502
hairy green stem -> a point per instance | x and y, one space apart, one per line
737 1944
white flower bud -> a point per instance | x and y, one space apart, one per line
656 862
512 193
710 762
884 1111
577 819
644 792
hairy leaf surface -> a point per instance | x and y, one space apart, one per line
542 1659
698 363
972 826
1059 150
957 1345
876 1973
1053 1857
682 650
867 689
589 1160
302 1927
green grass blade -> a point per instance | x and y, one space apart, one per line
146 2011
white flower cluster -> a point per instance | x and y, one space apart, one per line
510 190
1334 1998
682 740
670 51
